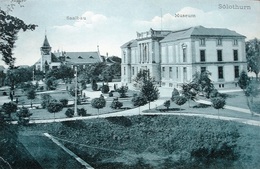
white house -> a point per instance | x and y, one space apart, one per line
172 57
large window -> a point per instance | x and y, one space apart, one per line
170 72
177 72
124 70
202 42
219 53
236 69
220 72
184 54
235 53
133 70
202 56
163 71
184 74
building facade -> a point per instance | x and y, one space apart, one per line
53 60
173 57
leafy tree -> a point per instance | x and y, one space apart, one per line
188 91
122 91
10 27
46 99
139 100
141 76
54 107
65 73
253 56
202 83
51 83
149 91
116 104
69 113
243 80
180 100
94 85
251 92
167 104
23 116
98 103
175 93
64 102
218 103
9 108
31 95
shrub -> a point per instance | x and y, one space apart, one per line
167 104
175 93
116 104
139 100
69 113
110 94
82 112
218 102
105 89
180 100
46 98
122 91
23 116
64 102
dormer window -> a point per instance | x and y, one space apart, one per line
91 57
80 57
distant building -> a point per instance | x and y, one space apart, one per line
172 57
53 60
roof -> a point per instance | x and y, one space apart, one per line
45 42
82 57
201 31
132 43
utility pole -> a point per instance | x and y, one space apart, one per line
76 91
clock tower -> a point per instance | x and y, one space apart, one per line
46 55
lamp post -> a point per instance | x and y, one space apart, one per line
76 91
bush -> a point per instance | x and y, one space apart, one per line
69 113
167 104
105 89
23 116
122 91
139 100
64 102
180 100
82 112
218 102
116 104
110 94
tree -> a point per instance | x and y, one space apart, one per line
9 108
23 116
251 92
253 56
167 104
175 93
51 83
188 91
54 107
122 91
69 113
180 100
139 100
105 88
98 103
94 85
218 103
31 95
82 112
10 27
141 76
243 80
149 91
64 102
46 99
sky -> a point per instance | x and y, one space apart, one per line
82 25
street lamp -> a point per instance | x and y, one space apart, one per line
76 91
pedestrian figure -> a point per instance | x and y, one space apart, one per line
16 100
11 96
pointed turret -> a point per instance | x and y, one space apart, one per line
46 48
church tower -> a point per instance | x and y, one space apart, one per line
46 55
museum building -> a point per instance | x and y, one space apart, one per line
173 57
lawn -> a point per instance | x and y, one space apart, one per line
159 142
